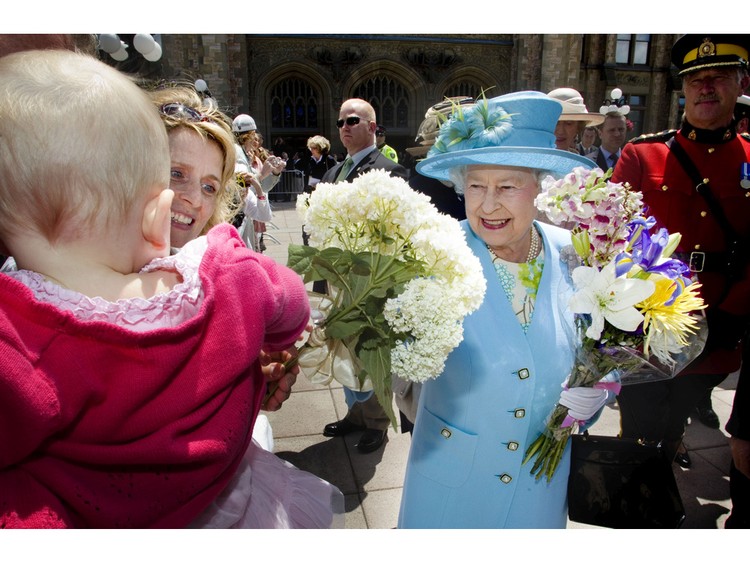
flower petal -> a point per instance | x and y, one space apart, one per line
629 292
627 319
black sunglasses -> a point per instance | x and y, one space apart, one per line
351 121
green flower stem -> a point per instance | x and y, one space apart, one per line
549 447
376 278
271 388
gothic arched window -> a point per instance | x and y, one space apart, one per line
294 105
389 98
463 88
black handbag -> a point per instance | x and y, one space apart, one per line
622 484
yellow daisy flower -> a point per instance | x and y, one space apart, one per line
666 327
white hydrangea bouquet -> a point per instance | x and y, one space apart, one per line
401 279
634 305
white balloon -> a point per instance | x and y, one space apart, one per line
109 43
604 109
155 54
120 55
625 109
144 43
200 85
616 94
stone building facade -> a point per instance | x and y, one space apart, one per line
293 85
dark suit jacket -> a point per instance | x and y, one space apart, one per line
373 161
445 198
598 157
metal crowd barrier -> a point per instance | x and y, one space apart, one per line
290 185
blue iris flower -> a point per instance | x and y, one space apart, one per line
646 252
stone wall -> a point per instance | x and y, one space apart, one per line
241 69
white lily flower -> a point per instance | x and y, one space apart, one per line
605 296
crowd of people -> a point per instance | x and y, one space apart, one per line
144 254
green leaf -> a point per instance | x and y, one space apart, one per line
324 269
376 337
373 307
376 362
346 327
331 255
300 258
359 285
360 266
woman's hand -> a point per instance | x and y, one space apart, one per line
273 164
279 377
252 181
583 402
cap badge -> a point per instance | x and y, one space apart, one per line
707 48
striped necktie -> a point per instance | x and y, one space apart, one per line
345 169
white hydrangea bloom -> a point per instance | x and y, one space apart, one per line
430 323
382 214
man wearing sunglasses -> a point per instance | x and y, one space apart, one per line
357 125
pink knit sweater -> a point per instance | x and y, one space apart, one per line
106 427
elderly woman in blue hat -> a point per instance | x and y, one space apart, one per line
475 421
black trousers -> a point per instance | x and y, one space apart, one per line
318 286
658 411
739 491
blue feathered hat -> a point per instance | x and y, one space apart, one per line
516 129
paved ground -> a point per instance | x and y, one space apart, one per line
372 483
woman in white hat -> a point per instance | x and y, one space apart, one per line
259 171
475 421
573 119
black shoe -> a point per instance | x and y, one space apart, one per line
371 440
708 417
683 459
341 428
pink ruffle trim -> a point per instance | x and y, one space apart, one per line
137 314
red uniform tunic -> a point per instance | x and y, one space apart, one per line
670 196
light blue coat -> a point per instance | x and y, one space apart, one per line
476 420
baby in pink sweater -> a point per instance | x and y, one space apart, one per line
130 379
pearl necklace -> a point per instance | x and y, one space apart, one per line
534 247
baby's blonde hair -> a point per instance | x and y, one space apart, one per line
80 143
214 125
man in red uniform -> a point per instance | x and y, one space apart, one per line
694 182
